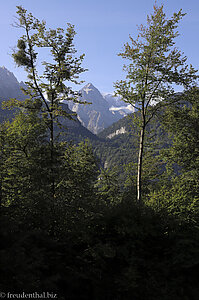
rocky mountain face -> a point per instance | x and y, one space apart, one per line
117 105
103 111
73 129
11 88
9 85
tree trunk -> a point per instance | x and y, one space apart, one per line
52 154
0 194
139 168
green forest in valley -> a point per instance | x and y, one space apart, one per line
87 216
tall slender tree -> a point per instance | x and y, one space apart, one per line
47 88
155 66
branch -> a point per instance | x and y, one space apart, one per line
33 70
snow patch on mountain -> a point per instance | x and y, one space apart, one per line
86 88
125 109
104 108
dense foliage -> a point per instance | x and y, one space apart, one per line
90 241
87 237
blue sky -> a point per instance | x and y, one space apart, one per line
102 29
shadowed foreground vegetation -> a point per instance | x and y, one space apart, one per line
88 238
79 231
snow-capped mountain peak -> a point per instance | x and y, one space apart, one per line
89 87
104 110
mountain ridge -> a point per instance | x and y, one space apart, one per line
11 88
9 85
100 113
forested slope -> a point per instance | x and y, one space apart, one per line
73 229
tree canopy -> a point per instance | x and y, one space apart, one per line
71 228
155 65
